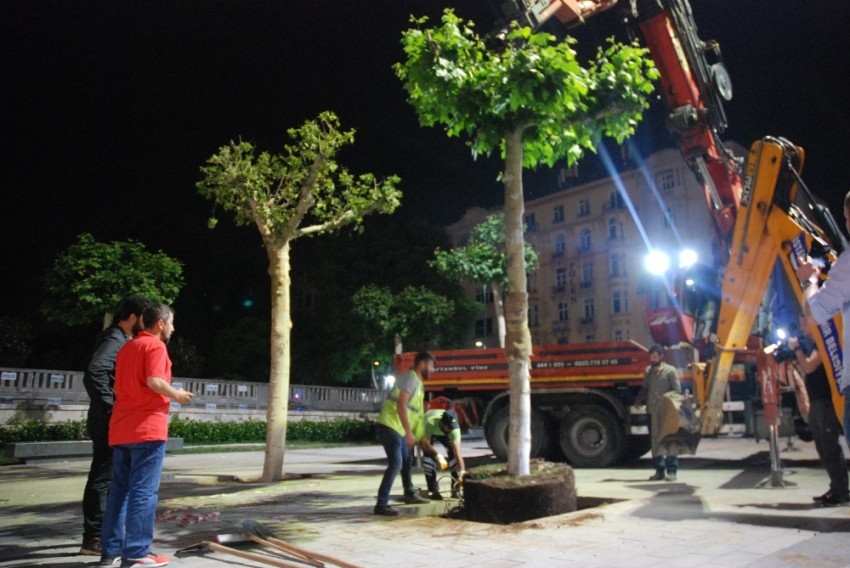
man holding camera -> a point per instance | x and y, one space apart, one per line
824 424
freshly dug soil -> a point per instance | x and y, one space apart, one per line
492 496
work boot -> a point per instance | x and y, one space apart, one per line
436 496
385 511
659 476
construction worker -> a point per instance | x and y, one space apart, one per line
401 424
442 426
660 378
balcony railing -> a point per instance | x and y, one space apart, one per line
559 289
586 320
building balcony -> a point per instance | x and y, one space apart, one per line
559 289
586 320
560 325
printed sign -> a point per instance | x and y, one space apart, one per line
212 387
175 406
177 385
241 388
243 407
57 379
210 406
10 376
54 401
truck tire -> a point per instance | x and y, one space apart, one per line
498 430
590 436
637 448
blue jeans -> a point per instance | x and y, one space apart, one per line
398 460
131 504
668 463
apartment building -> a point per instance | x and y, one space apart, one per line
592 240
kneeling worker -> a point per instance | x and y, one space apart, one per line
441 426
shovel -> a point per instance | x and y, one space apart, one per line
209 546
263 533
242 538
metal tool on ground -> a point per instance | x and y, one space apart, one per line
236 539
257 529
209 546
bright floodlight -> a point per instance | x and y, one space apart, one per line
389 382
687 258
657 262
690 282
781 334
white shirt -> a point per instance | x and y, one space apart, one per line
834 297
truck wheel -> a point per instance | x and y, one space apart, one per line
591 436
498 431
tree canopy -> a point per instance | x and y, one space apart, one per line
89 279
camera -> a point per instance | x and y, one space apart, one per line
783 353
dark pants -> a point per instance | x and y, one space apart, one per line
662 463
100 472
398 461
430 466
826 432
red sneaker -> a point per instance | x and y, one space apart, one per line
151 560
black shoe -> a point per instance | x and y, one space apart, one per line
415 499
835 499
436 496
385 511
109 561
822 497
659 476
90 547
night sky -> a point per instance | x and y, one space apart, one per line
109 109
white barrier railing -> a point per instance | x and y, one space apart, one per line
46 388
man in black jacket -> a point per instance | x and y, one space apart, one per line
99 381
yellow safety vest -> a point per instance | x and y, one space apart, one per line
415 411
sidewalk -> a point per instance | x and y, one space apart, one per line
712 516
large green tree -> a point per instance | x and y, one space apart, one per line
89 279
415 313
533 101
484 260
301 192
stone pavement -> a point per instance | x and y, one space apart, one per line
713 516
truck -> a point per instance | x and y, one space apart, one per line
730 310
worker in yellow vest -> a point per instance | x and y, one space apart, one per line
441 425
401 424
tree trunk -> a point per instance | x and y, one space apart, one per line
517 337
280 363
499 304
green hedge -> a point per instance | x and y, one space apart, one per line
195 432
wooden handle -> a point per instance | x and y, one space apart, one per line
311 554
214 546
300 556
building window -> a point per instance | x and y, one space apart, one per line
533 315
589 338
484 295
668 218
563 311
560 244
585 241
484 327
618 265
618 335
530 222
589 309
561 279
586 274
616 201
584 207
620 302
666 180
559 214
615 229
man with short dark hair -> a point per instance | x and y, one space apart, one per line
401 424
98 380
660 378
138 431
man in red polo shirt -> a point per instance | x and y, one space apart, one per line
138 431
